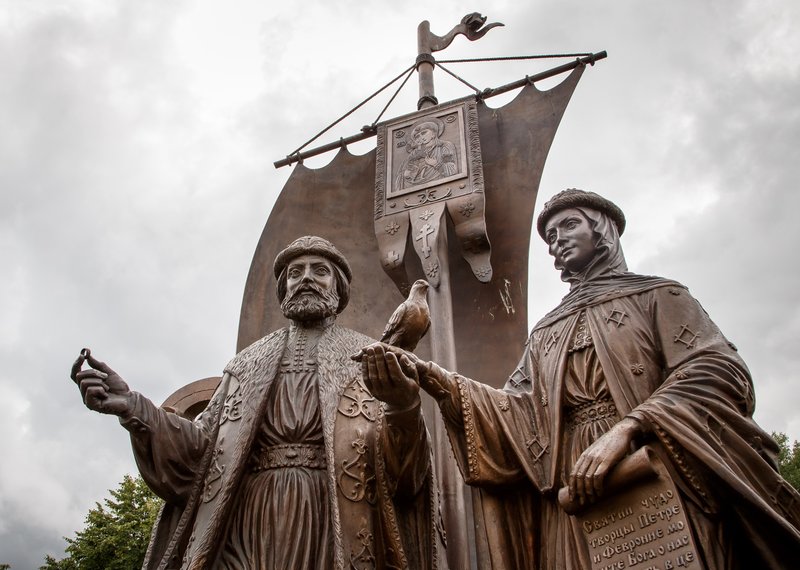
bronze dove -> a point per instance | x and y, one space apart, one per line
410 320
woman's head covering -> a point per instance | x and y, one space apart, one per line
574 198
607 222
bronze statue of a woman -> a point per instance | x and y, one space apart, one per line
624 360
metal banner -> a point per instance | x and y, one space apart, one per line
426 163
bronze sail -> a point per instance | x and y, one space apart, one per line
337 202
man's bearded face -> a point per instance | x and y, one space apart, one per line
310 289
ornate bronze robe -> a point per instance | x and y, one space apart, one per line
376 465
666 364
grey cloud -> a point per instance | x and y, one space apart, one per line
128 215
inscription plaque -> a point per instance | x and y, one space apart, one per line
641 523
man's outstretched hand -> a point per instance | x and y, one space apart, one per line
102 389
431 377
390 377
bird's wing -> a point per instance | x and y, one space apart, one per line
427 325
394 322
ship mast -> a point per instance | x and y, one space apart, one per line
455 496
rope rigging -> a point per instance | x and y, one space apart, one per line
369 130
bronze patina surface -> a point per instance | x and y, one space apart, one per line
641 522
294 463
624 361
337 202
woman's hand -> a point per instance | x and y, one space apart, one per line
589 473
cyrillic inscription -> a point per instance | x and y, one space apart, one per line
641 523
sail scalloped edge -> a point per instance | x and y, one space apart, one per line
521 94
335 202
342 153
339 202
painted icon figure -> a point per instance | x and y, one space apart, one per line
429 157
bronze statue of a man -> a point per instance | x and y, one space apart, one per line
294 463
624 360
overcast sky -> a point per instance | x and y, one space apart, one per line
136 150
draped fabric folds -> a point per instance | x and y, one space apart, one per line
354 489
660 359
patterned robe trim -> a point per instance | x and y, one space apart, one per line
434 557
335 373
393 531
438 535
469 429
254 369
334 378
678 458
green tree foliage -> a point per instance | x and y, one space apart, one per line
789 459
116 533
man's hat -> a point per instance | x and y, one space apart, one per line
574 198
311 245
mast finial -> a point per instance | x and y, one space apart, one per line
471 26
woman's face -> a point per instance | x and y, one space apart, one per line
571 240
423 134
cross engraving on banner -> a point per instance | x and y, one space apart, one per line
424 232
392 258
